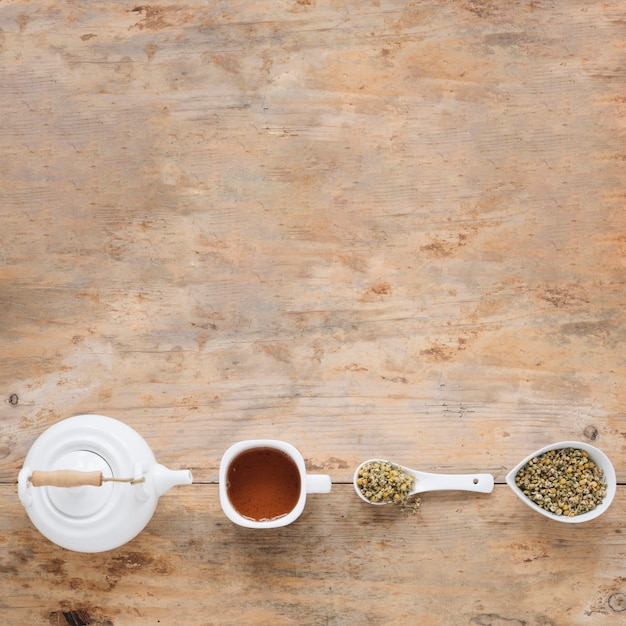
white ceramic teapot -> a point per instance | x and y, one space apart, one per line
91 483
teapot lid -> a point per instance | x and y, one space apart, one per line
81 502
90 518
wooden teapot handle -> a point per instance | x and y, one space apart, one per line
66 478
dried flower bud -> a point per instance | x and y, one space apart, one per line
564 482
384 482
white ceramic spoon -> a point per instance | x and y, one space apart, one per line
481 483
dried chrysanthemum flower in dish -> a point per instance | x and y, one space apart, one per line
564 482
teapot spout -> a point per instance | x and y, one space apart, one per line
165 479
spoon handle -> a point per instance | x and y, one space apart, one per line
482 483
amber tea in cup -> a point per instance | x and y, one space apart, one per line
263 483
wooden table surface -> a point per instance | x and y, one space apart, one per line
379 228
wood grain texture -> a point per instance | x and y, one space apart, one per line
463 559
368 228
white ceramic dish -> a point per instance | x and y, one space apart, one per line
597 456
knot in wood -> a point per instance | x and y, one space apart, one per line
617 602
591 432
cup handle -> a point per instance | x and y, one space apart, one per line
318 483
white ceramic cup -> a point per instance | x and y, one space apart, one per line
309 483
597 456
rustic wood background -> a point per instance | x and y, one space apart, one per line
373 228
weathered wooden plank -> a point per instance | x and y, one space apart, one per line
370 229
460 560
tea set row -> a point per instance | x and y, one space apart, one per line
91 483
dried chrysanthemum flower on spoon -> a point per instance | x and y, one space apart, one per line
382 482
